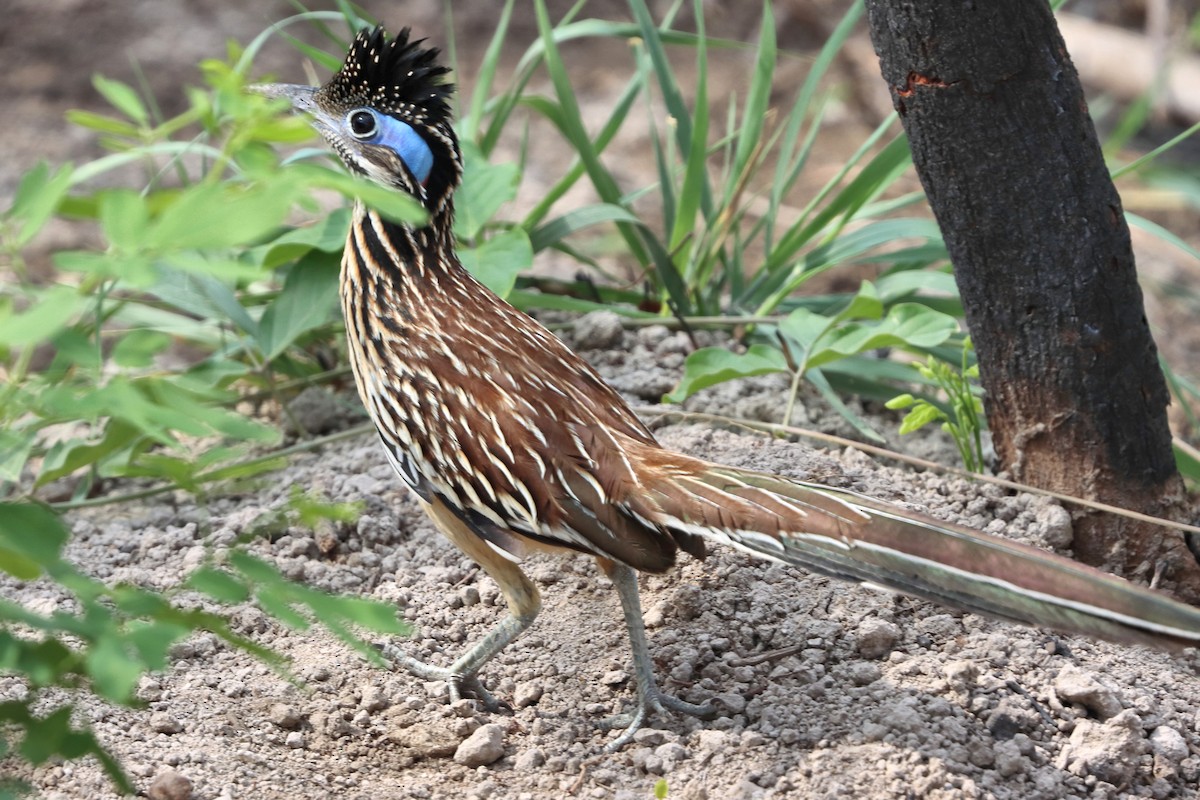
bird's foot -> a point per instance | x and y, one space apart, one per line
651 699
459 685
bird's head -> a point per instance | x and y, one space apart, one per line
386 114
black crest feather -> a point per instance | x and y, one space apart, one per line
394 76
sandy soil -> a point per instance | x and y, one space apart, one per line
826 690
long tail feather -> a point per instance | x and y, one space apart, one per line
850 536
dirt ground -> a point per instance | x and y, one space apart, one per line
825 689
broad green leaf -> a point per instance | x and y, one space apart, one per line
33 531
371 614
114 672
178 405
137 349
122 97
134 269
214 215
394 205
280 609
45 736
864 305
906 325
709 366
15 448
327 235
203 296
154 640
308 300
484 189
38 195
218 584
496 262
124 215
53 310
804 327
69 455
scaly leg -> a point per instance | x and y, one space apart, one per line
649 696
522 596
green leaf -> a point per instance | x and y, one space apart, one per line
113 670
15 449
709 366
38 195
695 175
138 348
69 455
394 205
906 325
124 215
920 416
33 535
484 189
122 97
101 123
308 300
215 215
205 297
52 310
371 614
864 305
44 737
327 235
559 228
137 270
803 327
154 640
496 262
219 585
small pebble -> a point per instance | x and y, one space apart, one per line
1076 686
161 722
1168 744
597 330
527 694
374 698
614 677
876 637
282 715
530 759
482 747
169 785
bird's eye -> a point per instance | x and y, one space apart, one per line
363 124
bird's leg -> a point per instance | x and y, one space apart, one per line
649 697
524 602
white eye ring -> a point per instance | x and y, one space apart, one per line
362 123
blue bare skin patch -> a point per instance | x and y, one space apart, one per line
397 136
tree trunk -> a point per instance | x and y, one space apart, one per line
1009 159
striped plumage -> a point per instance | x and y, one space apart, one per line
513 443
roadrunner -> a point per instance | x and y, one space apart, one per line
513 444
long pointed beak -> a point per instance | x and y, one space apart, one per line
301 97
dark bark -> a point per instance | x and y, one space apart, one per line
1009 159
